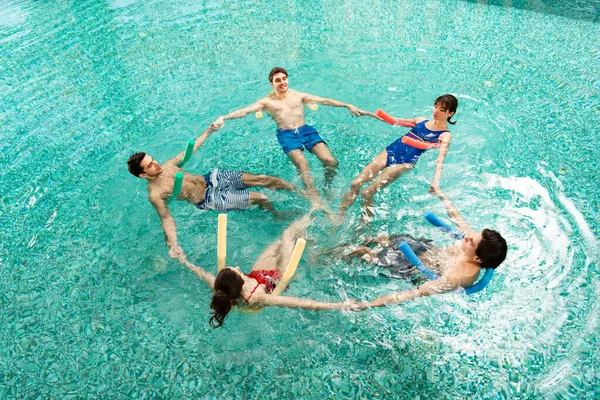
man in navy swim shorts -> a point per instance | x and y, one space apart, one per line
219 190
286 107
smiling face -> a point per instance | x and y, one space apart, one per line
280 82
150 167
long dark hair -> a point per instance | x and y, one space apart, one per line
449 102
228 287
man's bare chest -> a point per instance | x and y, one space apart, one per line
287 106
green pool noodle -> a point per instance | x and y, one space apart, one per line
188 151
177 184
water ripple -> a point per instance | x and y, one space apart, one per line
92 306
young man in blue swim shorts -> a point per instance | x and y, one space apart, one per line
286 107
219 190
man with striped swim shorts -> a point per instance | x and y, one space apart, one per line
226 190
219 190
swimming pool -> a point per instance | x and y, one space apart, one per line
91 304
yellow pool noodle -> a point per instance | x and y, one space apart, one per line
313 106
291 268
259 114
221 241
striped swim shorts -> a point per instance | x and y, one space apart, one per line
225 190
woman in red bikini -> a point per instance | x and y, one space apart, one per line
234 288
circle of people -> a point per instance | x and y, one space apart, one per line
457 266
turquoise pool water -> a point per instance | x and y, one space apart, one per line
93 307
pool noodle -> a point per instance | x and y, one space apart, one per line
434 220
291 268
189 150
221 241
393 121
482 283
489 272
417 144
414 260
177 184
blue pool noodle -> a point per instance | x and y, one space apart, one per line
414 260
443 226
482 283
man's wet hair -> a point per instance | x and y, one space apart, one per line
276 70
492 249
133 164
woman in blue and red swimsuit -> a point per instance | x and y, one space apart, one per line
398 157
232 287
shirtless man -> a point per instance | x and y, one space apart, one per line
286 107
218 190
457 266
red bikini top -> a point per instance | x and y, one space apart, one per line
268 278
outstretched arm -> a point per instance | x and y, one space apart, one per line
202 274
385 117
199 142
307 304
439 164
453 213
258 106
309 98
168 225
370 114
441 285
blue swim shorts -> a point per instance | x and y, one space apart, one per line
293 139
225 191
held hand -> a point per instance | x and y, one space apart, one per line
176 252
355 111
354 305
218 123
435 190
